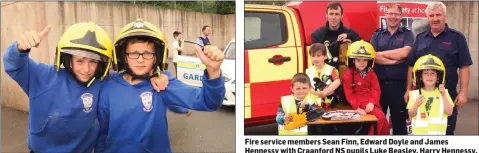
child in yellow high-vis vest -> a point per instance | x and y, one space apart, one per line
429 105
324 72
302 98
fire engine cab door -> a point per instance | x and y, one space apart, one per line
271 59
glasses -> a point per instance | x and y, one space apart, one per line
136 55
393 14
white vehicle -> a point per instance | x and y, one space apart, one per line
190 71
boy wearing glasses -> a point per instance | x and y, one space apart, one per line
132 116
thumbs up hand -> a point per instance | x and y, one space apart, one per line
32 39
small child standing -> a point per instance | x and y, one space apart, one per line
178 45
300 86
361 85
328 75
429 105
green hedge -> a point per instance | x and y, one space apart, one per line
216 7
279 3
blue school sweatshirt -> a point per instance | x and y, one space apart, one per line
63 113
178 109
133 117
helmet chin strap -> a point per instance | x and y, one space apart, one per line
134 76
87 83
83 83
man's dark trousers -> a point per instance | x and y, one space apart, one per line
392 93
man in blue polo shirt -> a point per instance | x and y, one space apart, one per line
451 47
393 45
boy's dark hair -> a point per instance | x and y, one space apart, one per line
139 39
204 27
300 77
317 47
334 6
176 33
395 4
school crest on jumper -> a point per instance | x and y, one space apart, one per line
147 99
87 99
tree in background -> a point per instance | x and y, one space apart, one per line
278 3
217 7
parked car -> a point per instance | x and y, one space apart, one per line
190 71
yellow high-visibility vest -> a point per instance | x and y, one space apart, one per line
289 106
434 122
326 70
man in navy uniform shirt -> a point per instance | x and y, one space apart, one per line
334 31
393 45
451 47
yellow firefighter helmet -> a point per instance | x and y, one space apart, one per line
87 40
428 62
360 49
141 28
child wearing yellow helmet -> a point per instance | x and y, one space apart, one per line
62 100
132 117
430 104
361 85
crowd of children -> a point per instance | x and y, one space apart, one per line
429 105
